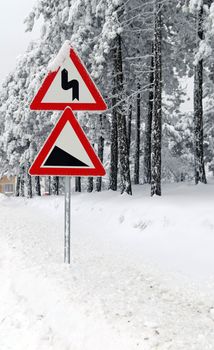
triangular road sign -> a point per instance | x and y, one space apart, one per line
67 151
70 85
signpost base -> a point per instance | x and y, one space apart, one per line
67 220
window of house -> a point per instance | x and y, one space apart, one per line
8 188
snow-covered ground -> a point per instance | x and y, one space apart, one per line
141 275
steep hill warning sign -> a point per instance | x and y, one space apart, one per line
67 151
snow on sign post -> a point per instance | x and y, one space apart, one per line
67 151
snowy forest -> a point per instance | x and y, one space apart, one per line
138 242
140 53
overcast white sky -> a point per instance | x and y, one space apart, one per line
13 39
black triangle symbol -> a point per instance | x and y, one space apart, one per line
58 157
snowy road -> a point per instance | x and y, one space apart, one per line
109 298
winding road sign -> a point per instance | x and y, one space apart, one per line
70 85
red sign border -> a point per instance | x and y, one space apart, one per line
37 170
99 105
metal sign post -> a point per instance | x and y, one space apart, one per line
67 151
67 237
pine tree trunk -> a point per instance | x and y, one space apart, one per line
100 155
90 184
129 128
78 184
18 183
29 185
157 108
49 185
148 125
37 186
114 144
137 141
200 175
125 180
55 185
22 186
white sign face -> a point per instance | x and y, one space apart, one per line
67 151
57 93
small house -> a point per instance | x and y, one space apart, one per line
7 185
